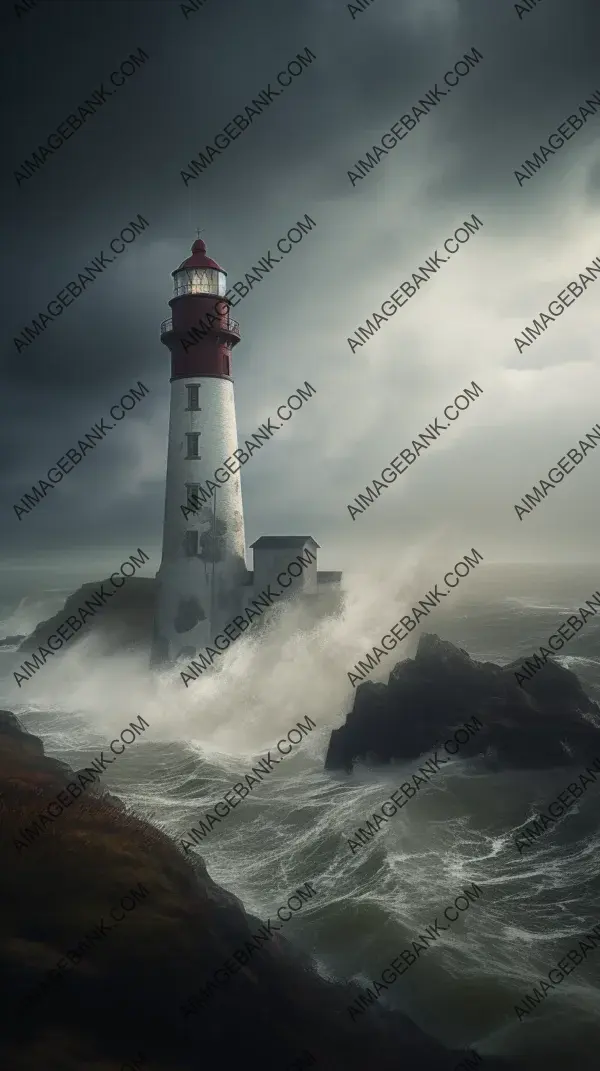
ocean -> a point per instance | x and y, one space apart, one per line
294 827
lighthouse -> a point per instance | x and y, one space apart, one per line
203 572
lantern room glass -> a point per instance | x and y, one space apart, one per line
200 281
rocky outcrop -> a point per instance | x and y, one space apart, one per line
550 721
114 999
125 621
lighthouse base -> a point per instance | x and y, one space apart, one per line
195 601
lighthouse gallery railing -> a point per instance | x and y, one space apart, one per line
229 324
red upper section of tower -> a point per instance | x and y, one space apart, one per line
199 258
200 333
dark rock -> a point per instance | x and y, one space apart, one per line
124 996
548 722
10 641
10 726
125 622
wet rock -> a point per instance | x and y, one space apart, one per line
550 721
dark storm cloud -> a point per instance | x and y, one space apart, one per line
293 159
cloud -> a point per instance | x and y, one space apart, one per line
294 159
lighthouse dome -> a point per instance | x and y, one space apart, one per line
199 258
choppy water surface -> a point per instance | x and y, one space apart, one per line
294 826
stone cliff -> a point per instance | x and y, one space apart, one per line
85 993
126 621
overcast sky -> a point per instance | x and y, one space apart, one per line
293 160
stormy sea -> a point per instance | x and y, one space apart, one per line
294 827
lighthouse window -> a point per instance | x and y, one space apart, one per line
193 495
191 544
192 444
200 281
193 390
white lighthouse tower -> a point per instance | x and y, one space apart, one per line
203 570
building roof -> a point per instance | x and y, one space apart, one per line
271 542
